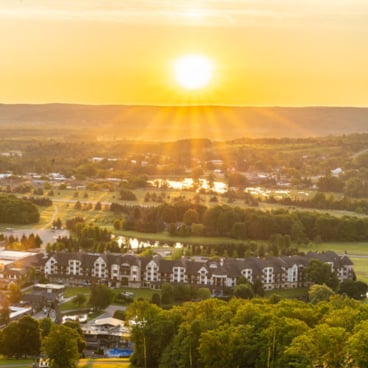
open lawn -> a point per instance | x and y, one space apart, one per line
83 363
64 203
141 293
361 268
72 292
20 363
102 363
289 293
350 248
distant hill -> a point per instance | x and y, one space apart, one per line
168 123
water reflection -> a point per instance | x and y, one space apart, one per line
134 243
188 183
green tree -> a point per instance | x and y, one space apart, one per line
76 327
61 346
30 336
152 331
21 338
127 195
10 340
357 345
57 223
79 300
190 216
101 296
204 293
228 347
156 299
243 291
5 313
167 294
237 180
318 293
14 293
257 287
354 289
321 273
277 337
45 326
322 346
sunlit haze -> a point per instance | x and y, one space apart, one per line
193 71
280 52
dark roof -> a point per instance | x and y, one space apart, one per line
228 266
166 266
193 267
328 256
346 261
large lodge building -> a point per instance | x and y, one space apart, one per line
135 271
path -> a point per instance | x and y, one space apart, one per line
53 217
360 153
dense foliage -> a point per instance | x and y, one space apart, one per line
323 202
21 338
24 243
84 236
40 201
256 333
14 210
239 223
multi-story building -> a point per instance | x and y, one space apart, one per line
14 266
135 271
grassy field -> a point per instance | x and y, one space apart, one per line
289 293
102 363
83 363
64 202
361 268
20 363
141 293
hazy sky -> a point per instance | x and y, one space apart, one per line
275 52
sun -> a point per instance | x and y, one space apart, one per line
193 71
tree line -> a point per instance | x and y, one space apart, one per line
85 236
257 333
14 210
185 218
29 337
24 243
324 202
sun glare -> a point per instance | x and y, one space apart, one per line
193 71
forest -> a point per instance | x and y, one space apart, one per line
238 223
257 333
14 210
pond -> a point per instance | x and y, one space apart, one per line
188 183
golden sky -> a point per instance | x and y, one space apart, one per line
265 53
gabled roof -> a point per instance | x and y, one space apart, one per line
193 267
346 261
294 260
328 256
276 263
